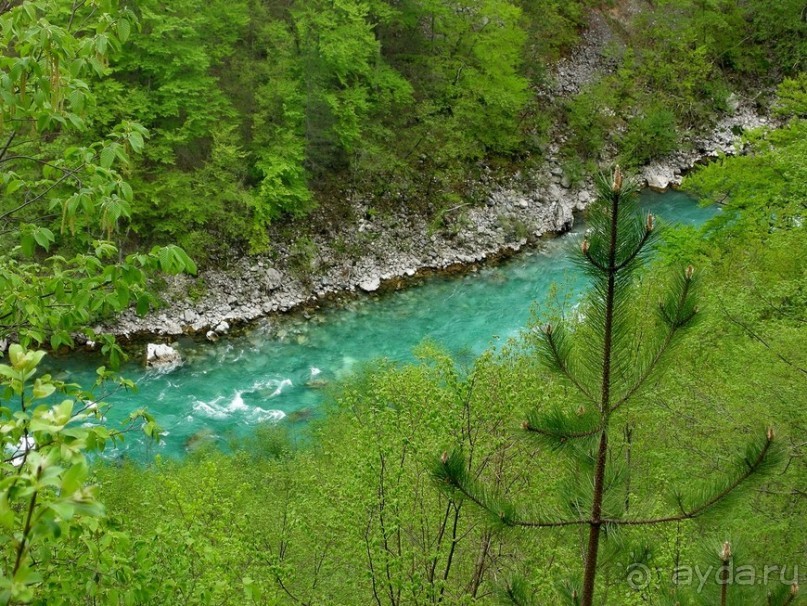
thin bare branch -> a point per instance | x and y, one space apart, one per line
38 197
7 145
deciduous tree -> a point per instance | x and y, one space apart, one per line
59 191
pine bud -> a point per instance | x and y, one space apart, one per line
574 594
794 589
690 271
581 411
725 555
585 246
770 434
444 458
651 223
617 185
548 329
525 425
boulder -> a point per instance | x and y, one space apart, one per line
212 336
555 193
222 328
659 177
370 284
272 279
160 354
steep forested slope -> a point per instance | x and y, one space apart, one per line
260 110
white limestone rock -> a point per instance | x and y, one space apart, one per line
160 354
370 284
660 177
273 279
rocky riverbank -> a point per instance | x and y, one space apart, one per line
390 249
386 249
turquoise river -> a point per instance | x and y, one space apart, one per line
275 374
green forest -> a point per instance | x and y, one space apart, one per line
646 447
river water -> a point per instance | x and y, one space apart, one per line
224 390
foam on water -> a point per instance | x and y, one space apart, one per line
17 453
210 409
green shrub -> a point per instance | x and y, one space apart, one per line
650 135
590 116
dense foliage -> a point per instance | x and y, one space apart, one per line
202 123
287 99
677 68
44 496
257 111
61 186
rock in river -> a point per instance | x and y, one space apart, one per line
160 354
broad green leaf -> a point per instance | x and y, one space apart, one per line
126 191
142 305
73 479
42 389
28 244
7 516
13 186
108 154
33 358
124 29
30 9
64 509
136 141
44 237
63 411
16 354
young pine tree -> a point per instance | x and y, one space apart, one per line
606 364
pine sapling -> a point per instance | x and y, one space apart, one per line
601 359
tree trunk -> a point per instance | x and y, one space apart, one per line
595 523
